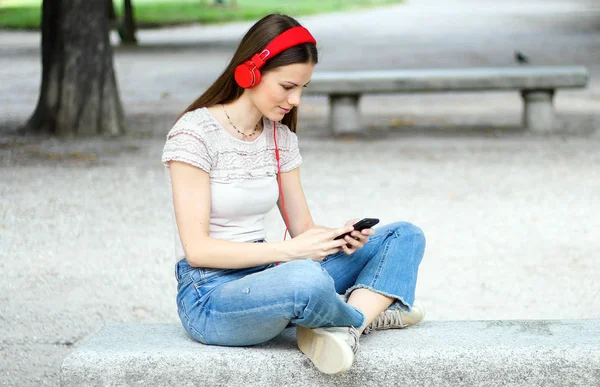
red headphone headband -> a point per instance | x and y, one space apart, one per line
288 39
247 74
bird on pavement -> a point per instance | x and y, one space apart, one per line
521 58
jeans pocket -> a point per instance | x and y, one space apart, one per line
203 276
333 256
205 280
182 272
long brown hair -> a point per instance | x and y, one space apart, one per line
225 89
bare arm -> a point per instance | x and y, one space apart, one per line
191 198
300 219
296 206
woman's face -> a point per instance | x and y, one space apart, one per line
280 89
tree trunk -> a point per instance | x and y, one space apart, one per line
112 15
127 32
79 94
110 6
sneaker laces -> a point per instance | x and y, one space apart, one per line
387 319
352 339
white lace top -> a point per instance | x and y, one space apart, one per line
242 174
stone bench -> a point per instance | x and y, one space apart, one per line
433 353
536 84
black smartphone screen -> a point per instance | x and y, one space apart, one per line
360 225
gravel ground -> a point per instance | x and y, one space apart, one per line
510 217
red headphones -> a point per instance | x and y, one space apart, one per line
285 215
247 75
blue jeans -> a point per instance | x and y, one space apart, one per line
240 307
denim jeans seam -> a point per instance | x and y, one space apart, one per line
189 323
390 295
259 309
386 248
331 257
183 275
414 247
313 313
378 271
200 281
396 232
201 299
185 279
210 274
375 237
263 308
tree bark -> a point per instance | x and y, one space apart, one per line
127 32
112 15
79 94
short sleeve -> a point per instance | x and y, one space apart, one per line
188 146
288 149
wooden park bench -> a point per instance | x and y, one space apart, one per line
537 86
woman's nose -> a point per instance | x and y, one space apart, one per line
295 98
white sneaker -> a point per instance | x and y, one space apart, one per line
397 318
331 350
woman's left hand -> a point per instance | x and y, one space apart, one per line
357 239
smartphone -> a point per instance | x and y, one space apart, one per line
360 225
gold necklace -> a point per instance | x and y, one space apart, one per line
247 136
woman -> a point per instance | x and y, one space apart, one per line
231 156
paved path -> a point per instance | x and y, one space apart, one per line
85 232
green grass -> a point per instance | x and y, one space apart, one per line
26 14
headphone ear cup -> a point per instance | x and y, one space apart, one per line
247 75
257 75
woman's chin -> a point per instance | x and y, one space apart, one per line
275 116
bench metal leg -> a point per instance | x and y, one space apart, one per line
344 117
538 111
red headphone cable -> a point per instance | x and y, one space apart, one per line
286 219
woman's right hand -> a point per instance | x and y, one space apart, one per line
317 243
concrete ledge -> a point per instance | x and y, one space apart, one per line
447 80
536 84
449 353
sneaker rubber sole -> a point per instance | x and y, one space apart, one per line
328 352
